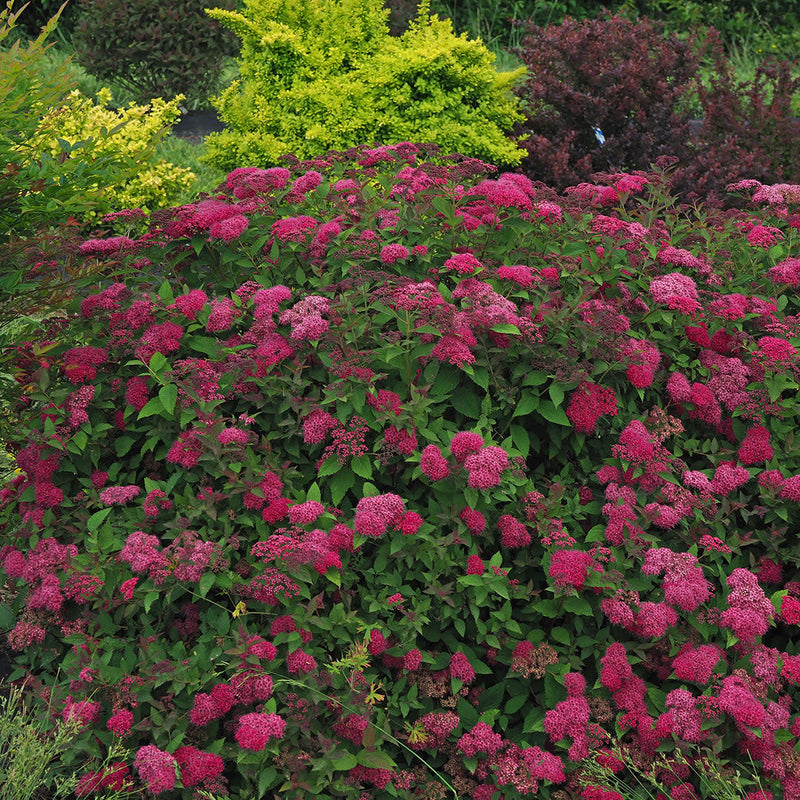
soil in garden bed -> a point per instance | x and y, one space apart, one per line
194 126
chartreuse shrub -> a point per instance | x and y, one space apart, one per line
131 132
390 475
43 193
317 76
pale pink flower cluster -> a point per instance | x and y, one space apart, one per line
749 613
687 718
481 739
80 363
375 515
306 318
643 359
588 403
433 464
255 730
118 495
486 466
305 513
764 236
684 585
157 768
570 567
570 718
393 253
676 291
679 257
293 229
518 273
222 315
696 664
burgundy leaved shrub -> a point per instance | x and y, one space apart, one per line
748 129
614 94
625 78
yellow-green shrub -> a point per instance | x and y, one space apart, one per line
327 75
130 132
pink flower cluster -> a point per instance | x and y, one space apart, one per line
675 291
570 567
306 318
588 403
253 731
749 613
80 363
684 585
375 515
157 768
461 669
197 766
433 464
118 495
570 718
485 467
642 359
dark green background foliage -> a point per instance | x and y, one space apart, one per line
155 49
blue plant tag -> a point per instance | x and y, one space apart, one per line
599 135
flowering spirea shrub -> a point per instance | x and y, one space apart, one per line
294 517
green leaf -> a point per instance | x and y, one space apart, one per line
574 248
78 442
515 703
375 759
204 344
168 395
340 483
165 293
467 714
362 466
330 466
96 519
578 605
123 445
265 779
560 635
343 761
534 722
480 376
152 406
505 327
534 378
548 608
444 206
157 362
526 404
314 493
207 580
553 414
149 599
556 394
491 697
521 439
370 490
7 618
553 690
466 402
